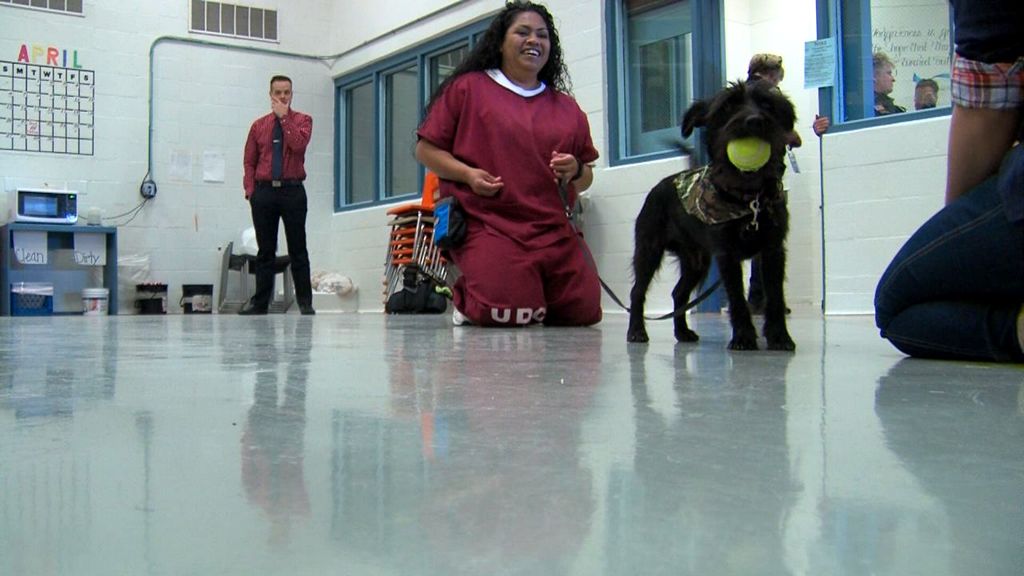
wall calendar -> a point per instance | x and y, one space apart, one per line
46 109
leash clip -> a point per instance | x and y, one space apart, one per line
755 208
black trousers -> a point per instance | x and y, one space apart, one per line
270 206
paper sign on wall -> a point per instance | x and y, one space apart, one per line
820 63
90 249
30 247
213 166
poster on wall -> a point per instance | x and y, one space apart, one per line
46 109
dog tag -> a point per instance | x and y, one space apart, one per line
792 160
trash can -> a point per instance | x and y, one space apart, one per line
197 298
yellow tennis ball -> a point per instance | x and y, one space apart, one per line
748 154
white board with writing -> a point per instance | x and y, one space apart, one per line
90 249
30 247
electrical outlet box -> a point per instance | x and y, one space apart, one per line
148 189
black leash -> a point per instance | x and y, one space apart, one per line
570 215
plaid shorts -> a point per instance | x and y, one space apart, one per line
980 85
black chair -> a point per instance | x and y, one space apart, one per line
245 266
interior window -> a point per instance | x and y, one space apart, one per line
895 57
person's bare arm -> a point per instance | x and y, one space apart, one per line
448 167
978 140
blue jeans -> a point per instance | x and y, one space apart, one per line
954 290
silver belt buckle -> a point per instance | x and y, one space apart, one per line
275 183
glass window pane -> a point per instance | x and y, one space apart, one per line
75 6
227 19
270 24
39 3
242 20
401 95
658 73
57 5
22 2
896 57
359 143
198 15
213 16
442 65
256 23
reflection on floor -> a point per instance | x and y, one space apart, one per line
365 444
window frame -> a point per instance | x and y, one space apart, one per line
47 8
377 73
829 24
708 62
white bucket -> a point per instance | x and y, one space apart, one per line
94 301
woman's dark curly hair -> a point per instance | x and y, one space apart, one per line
486 54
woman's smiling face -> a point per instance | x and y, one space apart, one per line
526 48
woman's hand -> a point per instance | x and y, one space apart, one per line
821 124
448 167
564 166
483 183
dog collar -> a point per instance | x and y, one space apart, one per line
702 199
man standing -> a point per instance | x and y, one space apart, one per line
274 170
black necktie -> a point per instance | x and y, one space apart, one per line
277 164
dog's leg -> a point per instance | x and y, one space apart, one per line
744 336
693 270
773 270
646 261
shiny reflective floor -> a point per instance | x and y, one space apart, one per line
366 444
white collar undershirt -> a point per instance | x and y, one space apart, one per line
498 76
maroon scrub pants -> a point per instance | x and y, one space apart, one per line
504 283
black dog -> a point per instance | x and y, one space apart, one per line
721 211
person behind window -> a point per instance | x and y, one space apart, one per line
986 89
884 74
504 134
926 94
768 68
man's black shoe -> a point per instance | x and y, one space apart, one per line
306 310
250 310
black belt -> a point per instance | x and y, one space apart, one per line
279 183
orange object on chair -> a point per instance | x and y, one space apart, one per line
431 189
411 241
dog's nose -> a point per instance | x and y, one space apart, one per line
754 123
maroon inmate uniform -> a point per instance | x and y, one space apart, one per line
521 261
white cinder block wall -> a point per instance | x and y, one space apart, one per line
205 97
204 100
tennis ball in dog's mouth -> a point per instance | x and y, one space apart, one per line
748 154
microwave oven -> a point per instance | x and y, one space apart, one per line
46 206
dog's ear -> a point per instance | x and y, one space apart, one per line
695 117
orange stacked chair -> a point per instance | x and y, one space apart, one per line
411 251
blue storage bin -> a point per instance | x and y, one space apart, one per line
31 299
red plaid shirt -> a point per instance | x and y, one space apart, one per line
259 148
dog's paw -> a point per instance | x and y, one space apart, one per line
784 344
744 342
686 335
637 336
778 337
